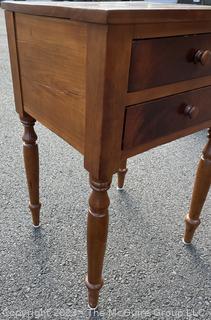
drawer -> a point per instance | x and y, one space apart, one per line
160 118
157 62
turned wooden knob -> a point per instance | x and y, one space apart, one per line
191 111
202 56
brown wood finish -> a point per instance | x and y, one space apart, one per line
11 34
31 160
71 65
121 174
166 29
165 139
150 121
168 60
201 188
167 90
114 13
96 237
53 74
107 73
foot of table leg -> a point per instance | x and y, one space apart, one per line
121 174
31 161
93 313
97 231
201 188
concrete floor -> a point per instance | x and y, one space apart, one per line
149 273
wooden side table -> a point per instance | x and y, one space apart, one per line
113 80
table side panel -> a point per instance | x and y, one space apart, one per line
52 55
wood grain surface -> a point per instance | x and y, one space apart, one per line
167 60
113 12
160 118
52 57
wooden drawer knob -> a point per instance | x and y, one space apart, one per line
191 111
202 56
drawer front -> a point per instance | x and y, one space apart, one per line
160 118
157 62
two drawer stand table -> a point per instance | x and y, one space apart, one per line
113 80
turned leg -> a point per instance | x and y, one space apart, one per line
31 161
97 231
121 174
201 188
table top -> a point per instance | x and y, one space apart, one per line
113 12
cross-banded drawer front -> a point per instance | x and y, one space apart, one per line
160 118
157 62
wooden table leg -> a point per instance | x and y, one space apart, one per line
121 174
97 231
201 188
31 161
